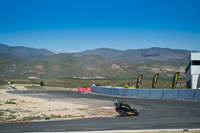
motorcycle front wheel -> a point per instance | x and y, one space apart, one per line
135 111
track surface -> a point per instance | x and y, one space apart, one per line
154 114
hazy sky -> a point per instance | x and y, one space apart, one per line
61 25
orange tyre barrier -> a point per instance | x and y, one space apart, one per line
83 89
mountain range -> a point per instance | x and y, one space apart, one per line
23 52
24 62
139 55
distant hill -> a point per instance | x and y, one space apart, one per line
55 66
131 55
22 62
23 52
65 66
104 52
138 55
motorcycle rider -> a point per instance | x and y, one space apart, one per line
120 104
125 109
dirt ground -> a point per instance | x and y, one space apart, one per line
20 108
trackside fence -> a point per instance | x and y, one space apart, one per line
192 94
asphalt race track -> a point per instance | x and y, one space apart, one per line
154 114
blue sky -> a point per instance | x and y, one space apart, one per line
61 25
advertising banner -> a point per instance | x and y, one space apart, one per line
175 80
139 81
155 79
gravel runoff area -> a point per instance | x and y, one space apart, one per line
15 108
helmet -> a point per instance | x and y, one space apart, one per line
115 102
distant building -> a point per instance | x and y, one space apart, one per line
192 70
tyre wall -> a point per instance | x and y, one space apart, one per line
190 94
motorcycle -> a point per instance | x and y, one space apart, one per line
125 110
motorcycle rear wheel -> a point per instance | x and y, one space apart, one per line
122 112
